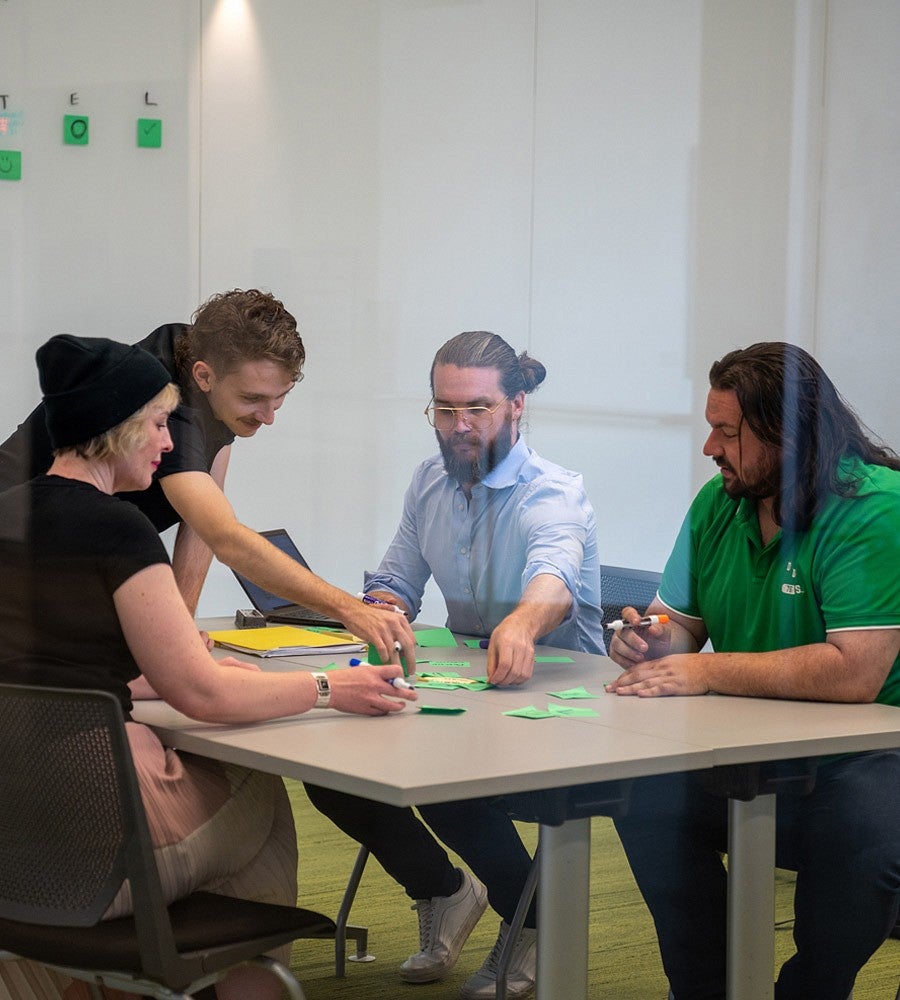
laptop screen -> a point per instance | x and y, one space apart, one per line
262 600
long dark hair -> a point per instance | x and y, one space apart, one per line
792 405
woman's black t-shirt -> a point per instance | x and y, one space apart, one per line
65 548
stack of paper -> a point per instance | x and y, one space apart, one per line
286 640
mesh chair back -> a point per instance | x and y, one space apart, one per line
621 587
63 827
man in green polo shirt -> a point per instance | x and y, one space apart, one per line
788 562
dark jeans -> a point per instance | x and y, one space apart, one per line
842 839
476 829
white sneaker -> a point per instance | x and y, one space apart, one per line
519 977
444 924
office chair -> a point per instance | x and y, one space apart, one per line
620 587
73 827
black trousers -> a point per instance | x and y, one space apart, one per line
478 830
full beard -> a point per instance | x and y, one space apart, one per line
471 469
765 483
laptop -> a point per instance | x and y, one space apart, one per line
277 609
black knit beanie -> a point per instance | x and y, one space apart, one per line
92 384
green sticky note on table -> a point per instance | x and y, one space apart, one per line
440 710
473 643
553 659
529 712
450 681
579 692
570 711
434 637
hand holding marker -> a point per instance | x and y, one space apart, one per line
397 682
618 624
368 599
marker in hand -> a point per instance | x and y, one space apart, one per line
618 624
397 682
368 599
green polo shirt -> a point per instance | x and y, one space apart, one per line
841 574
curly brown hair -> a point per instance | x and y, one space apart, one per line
234 327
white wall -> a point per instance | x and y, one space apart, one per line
626 189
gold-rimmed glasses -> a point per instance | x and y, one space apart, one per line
443 418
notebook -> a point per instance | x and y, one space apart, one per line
277 609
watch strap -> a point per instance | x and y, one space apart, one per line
323 689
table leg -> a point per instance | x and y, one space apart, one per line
751 898
564 872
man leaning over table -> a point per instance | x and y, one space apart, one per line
789 562
235 364
510 539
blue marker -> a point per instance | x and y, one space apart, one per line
484 643
397 682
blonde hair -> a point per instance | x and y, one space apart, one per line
129 435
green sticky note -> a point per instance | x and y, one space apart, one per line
579 692
10 165
448 681
570 711
149 133
473 643
434 637
449 663
553 659
529 712
440 710
373 658
76 130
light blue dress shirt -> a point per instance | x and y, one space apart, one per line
526 517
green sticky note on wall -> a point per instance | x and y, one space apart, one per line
76 130
10 165
149 133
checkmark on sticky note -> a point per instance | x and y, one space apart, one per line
149 133
579 692
529 712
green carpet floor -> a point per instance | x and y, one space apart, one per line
624 962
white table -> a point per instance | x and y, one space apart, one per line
483 752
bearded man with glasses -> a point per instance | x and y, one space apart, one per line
510 540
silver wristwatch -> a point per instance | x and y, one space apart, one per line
323 690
